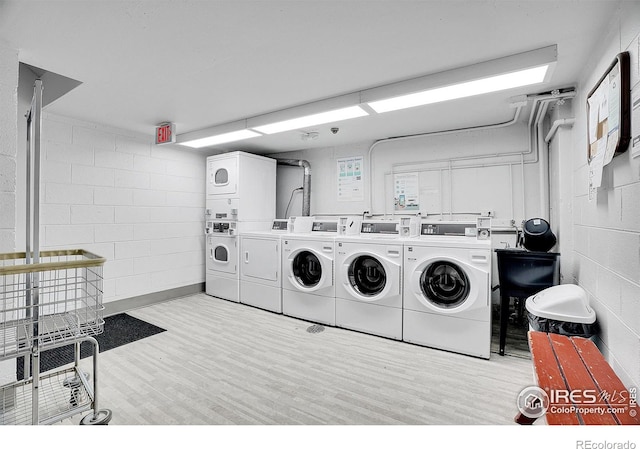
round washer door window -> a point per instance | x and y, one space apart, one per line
307 269
445 284
367 275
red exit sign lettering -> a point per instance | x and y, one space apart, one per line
165 133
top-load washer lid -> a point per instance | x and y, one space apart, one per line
445 284
367 275
307 269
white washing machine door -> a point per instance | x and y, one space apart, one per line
310 270
448 286
371 277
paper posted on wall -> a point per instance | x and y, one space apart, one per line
595 173
406 192
350 183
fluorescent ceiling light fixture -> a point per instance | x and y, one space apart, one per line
461 90
312 120
221 138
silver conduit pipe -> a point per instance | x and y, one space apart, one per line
306 183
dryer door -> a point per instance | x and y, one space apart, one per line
222 176
310 270
371 277
222 254
450 286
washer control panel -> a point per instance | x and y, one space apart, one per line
325 226
456 229
389 227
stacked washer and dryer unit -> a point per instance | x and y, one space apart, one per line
241 197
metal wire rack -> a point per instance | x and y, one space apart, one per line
69 300
62 393
43 306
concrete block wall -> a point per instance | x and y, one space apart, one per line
119 195
606 228
8 145
8 148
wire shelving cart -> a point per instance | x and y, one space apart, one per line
48 299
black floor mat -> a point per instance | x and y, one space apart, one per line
118 330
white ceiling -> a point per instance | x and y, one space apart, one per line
203 63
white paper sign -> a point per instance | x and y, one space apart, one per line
350 181
594 104
612 142
406 189
603 94
596 165
614 101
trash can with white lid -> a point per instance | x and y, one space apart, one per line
562 309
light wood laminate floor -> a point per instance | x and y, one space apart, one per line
225 363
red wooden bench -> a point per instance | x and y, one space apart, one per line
580 386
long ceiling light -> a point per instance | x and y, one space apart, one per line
519 70
221 138
461 90
312 120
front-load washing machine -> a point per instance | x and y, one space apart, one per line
369 279
260 262
308 287
447 290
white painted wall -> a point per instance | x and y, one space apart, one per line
119 195
606 245
471 185
8 148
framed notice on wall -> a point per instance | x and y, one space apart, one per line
609 113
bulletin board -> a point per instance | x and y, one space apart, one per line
609 112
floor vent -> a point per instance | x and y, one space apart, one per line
315 329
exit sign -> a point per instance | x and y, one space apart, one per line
165 133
